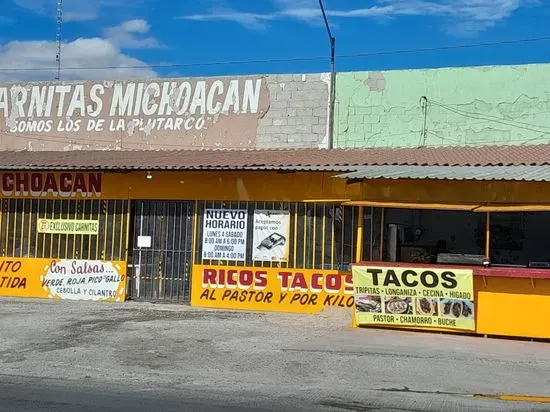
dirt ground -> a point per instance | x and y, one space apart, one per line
61 355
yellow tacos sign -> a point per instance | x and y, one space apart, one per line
412 296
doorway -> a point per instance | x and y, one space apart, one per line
161 251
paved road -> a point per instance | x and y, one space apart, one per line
83 356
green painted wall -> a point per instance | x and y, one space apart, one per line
466 106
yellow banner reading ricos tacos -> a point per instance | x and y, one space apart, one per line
412 296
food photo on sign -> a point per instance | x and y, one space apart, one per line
271 232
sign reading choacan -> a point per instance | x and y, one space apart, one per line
204 112
410 296
51 184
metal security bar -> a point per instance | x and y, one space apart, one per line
19 235
322 235
160 267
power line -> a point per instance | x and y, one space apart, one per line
494 119
489 117
450 47
289 59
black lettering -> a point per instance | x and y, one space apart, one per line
449 280
204 295
251 295
405 278
374 273
282 297
242 298
391 278
424 279
268 297
328 300
23 284
340 301
226 294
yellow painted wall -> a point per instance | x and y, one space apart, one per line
455 192
221 185
513 307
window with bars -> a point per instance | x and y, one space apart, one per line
19 236
321 235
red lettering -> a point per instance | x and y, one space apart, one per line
261 279
50 185
36 183
299 282
65 182
94 183
22 183
221 277
333 283
208 277
316 285
230 280
7 184
348 284
246 278
284 277
80 184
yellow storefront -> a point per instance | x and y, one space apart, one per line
165 232
265 230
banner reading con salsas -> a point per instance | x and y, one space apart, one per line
412 296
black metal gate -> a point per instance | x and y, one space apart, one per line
161 253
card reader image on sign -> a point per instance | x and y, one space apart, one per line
273 240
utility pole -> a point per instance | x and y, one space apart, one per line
332 98
59 23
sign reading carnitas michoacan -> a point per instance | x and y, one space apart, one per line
412 296
105 114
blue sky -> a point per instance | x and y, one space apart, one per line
145 33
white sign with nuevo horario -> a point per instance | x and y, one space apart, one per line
224 234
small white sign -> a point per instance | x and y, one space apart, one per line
270 239
144 241
224 234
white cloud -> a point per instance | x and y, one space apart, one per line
78 55
459 17
127 35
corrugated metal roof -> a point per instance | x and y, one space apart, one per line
510 173
275 159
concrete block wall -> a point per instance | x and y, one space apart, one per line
298 112
469 106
